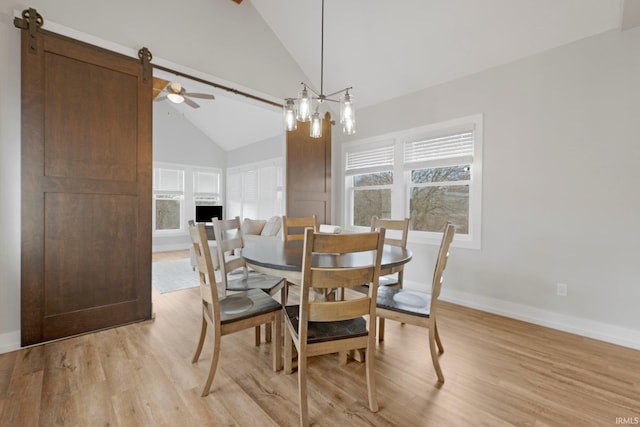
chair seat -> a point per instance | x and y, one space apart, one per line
327 331
404 301
264 282
245 305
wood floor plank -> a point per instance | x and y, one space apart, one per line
498 372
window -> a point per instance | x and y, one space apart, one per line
177 189
369 183
168 199
256 190
438 179
206 188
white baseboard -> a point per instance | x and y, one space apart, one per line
9 341
171 247
618 335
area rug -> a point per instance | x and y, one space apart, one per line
169 276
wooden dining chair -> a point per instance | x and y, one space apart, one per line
234 273
322 327
392 276
293 228
419 308
232 313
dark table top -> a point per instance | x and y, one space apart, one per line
280 255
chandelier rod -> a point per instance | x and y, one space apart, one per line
322 53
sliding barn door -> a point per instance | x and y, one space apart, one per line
86 188
309 172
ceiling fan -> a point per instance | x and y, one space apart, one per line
177 94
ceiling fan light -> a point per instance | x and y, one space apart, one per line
289 113
304 105
176 98
316 125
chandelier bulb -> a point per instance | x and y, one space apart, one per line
316 125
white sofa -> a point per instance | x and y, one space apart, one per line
252 230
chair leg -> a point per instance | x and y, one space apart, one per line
435 328
203 335
371 376
302 390
276 345
214 364
267 332
288 351
380 329
257 335
434 354
284 293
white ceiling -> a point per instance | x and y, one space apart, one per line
386 49
224 119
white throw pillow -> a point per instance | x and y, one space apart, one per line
252 226
272 226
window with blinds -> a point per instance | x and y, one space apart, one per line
206 188
369 183
168 199
431 174
177 190
439 180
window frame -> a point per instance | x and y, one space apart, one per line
188 202
400 206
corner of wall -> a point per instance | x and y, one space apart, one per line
9 341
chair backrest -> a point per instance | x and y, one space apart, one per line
331 277
401 225
441 263
209 288
298 225
228 233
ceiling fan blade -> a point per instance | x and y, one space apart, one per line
160 98
190 103
200 95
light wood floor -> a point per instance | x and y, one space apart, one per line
498 372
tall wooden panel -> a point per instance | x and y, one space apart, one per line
309 172
86 188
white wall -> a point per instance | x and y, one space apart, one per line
176 140
560 191
9 182
257 152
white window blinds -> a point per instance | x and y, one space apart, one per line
168 180
368 161
446 150
205 183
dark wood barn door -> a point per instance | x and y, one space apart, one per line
309 172
86 189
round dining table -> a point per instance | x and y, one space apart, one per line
284 259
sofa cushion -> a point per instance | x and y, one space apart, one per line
252 226
272 226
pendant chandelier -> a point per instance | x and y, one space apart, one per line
307 106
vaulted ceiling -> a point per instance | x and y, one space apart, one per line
386 49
